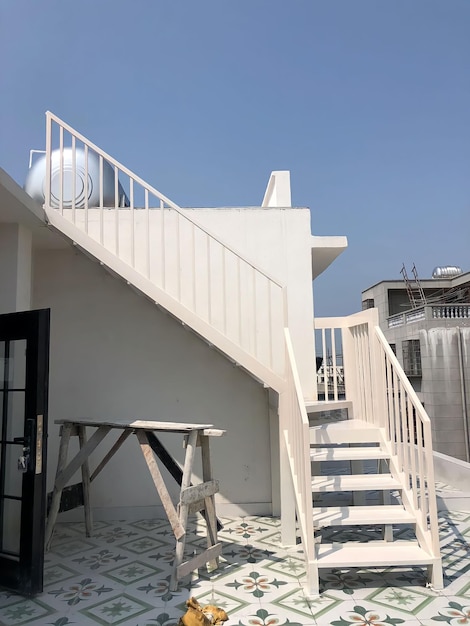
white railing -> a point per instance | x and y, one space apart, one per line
382 394
431 312
294 428
408 429
201 276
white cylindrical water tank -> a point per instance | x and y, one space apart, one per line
446 271
74 178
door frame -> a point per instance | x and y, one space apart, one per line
25 574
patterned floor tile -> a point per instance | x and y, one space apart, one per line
446 608
132 572
364 613
122 574
292 566
24 611
55 572
117 610
72 547
142 544
407 600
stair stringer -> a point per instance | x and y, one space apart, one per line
163 299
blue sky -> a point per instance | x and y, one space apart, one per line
366 102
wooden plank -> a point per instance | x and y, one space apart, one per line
57 491
208 555
213 432
211 523
183 509
199 492
122 438
67 473
178 528
86 484
170 464
175 427
197 507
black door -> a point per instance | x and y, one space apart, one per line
24 372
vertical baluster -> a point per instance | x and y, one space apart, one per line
86 188
147 233
413 439
390 401
178 256
405 443
325 361
254 312
61 170
209 279
74 178
422 477
116 209
132 218
162 243
224 290
47 194
193 268
333 355
396 419
101 202
270 325
239 301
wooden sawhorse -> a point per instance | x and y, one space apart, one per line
192 498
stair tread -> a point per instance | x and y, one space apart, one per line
348 454
342 424
374 553
355 515
345 431
354 482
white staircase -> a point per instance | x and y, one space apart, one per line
373 497
236 307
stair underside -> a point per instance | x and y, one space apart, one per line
345 431
359 515
354 482
372 554
348 454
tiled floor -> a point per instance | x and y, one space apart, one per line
121 575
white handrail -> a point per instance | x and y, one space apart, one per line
205 277
294 427
412 442
383 395
50 117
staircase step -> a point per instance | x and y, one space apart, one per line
354 482
372 554
359 515
320 406
362 453
345 431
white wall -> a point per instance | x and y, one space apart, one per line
116 355
15 268
278 241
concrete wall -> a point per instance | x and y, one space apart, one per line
114 354
178 257
445 382
444 387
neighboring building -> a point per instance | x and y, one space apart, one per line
427 323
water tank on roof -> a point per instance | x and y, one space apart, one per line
74 180
446 271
